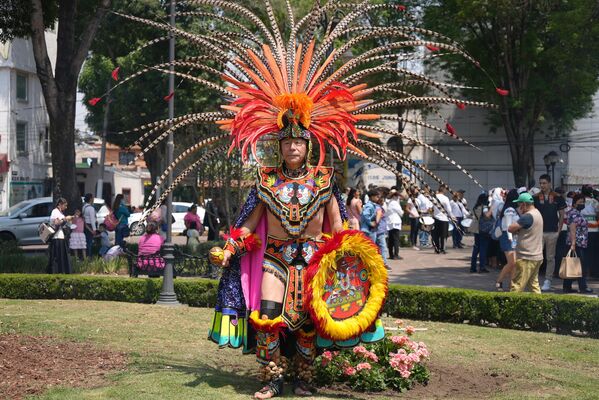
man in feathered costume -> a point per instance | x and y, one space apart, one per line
289 266
290 209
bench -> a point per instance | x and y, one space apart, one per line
184 264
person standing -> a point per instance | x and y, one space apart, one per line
529 250
393 215
552 207
480 211
442 217
91 222
354 208
412 207
368 222
211 221
121 212
58 260
194 227
508 241
77 243
459 212
381 229
425 207
578 238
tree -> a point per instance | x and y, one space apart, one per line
78 22
544 52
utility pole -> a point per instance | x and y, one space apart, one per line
168 296
100 183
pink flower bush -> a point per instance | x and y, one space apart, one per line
399 322
363 365
396 362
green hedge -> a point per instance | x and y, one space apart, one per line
564 314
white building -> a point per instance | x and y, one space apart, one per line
25 164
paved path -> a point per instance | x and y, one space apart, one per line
426 268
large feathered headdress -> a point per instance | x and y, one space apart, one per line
302 85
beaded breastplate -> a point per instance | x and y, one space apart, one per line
295 200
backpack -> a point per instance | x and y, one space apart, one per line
486 224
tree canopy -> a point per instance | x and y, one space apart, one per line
545 52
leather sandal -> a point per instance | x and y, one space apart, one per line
274 388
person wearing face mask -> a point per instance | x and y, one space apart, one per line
577 239
529 249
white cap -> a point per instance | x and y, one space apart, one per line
522 190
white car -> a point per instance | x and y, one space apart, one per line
21 221
179 211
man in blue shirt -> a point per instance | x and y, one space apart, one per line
368 222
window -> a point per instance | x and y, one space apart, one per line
45 139
38 210
21 87
125 157
21 137
127 195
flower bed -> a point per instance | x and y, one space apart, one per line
396 362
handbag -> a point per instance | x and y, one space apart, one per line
46 231
486 224
570 267
111 222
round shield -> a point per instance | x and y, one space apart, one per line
346 286
450 227
428 221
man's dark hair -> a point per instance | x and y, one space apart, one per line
88 197
545 177
373 192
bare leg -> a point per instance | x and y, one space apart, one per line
508 269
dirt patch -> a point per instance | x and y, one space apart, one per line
30 365
446 382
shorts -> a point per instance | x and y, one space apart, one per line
506 244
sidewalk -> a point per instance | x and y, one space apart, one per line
451 270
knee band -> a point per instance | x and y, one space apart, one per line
271 309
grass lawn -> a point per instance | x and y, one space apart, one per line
170 358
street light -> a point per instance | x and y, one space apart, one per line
550 159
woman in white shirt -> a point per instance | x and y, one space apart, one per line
507 242
59 261
393 214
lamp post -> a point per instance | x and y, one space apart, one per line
168 297
550 159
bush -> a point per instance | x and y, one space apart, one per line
14 263
10 247
396 362
542 313
564 314
197 293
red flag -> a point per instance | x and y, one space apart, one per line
432 48
450 129
401 7
115 73
502 92
169 96
94 101
461 106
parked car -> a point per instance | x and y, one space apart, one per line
179 211
21 221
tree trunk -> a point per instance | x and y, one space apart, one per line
60 89
521 142
62 144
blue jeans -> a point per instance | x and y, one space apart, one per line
479 251
423 238
381 242
456 234
582 281
120 233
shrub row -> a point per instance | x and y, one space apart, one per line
564 314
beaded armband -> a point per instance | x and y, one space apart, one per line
238 243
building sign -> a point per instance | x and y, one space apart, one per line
364 174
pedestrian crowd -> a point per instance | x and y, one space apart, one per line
515 230
76 234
